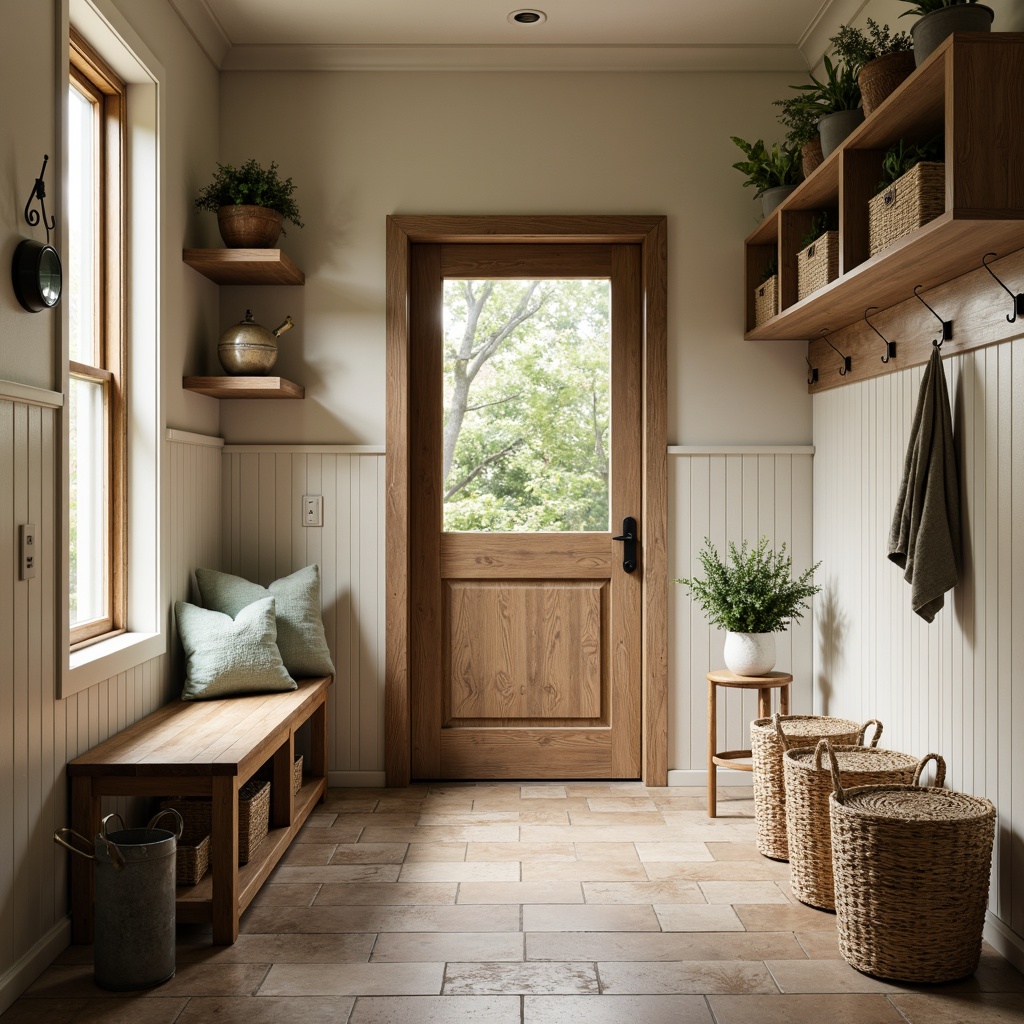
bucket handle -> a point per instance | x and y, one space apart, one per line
58 837
169 810
783 738
112 851
864 731
940 769
833 763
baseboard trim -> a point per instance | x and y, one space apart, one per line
356 780
17 979
1004 940
699 777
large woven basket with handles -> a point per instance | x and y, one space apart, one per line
808 779
769 739
911 867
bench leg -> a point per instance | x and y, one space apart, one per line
318 744
85 820
281 799
224 859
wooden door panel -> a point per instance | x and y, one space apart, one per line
528 555
529 650
526 753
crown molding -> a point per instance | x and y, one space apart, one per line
204 28
499 57
813 44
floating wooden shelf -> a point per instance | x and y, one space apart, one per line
243 387
968 92
244 266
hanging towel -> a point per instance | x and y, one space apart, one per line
924 539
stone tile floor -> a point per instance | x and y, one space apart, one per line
501 903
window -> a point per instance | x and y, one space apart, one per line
97 547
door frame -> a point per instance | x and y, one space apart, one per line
650 232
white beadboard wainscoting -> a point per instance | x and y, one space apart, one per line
264 539
955 686
730 494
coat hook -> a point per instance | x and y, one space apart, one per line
847 362
890 346
1018 299
39 192
813 379
947 325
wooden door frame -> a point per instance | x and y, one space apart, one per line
650 233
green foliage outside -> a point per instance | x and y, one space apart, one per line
250 185
526 381
756 593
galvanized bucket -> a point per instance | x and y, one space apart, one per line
134 902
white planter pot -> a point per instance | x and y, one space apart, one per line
749 654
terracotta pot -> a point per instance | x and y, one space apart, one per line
882 76
932 29
249 227
811 156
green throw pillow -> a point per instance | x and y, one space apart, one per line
228 656
300 626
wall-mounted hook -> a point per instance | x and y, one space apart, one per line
847 362
813 379
947 325
890 346
1018 299
39 192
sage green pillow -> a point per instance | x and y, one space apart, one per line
228 656
300 626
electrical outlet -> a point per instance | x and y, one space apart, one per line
312 510
29 555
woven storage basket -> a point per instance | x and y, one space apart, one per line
817 264
297 775
769 738
253 817
192 860
808 786
910 201
766 300
911 870
881 77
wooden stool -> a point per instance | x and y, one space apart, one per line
730 758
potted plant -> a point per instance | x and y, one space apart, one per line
753 599
803 132
911 193
835 101
774 172
881 60
940 18
252 203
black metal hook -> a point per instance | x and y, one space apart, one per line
813 379
847 362
39 192
890 346
947 325
1018 299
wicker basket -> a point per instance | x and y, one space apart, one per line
817 264
766 300
297 775
910 201
192 860
769 738
808 785
912 874
881 77
253 817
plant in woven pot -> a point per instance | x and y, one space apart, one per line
252 203
774 173
752 598
803 132
941 18
834 101
880 59
911 193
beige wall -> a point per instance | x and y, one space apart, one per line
364 145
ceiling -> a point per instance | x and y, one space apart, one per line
473 34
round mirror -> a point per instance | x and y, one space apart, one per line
36 274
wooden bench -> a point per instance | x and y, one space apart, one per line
207 748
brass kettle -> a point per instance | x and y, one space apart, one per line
249 349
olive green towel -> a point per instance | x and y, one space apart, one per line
924 539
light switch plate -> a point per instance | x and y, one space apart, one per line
312 510
29 556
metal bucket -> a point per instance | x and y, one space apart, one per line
134 902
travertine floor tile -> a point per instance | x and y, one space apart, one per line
520 851
338 873
672 852
467 817
340 832
354 979
283 949
825 976
460 871
617 819
691 976
719 871
268 1010
654 946
382 919
436 1010
384 894
661 891
630 804
399 947
309 854
370 853
316 820
286 894
512 979
607 851
496 833
589 919
615 1010
105 1010
958 1008
433 851
541 792
520 892
583 870
820 944
833 1009
742 892
189 980
794 916
698 918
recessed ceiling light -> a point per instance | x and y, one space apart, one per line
527 17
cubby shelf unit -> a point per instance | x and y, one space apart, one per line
970 92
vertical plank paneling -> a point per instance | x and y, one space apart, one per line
9 592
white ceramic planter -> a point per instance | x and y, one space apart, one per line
749 654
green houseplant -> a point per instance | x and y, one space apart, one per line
835 101
938 19
880 59
251 202
901 156
803 131
752 597
773 173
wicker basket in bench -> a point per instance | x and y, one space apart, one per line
909 202
253 817
766 300
817 264
808 786
297 775
911 868
769 738
192 860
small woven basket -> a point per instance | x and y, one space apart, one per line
910 201
766 300
769 738
253 817
817 264
881 77
192 860
808 787
912 867
297 775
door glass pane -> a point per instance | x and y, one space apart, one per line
527 413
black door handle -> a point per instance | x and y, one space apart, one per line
630 538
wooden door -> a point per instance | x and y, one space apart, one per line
524 646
